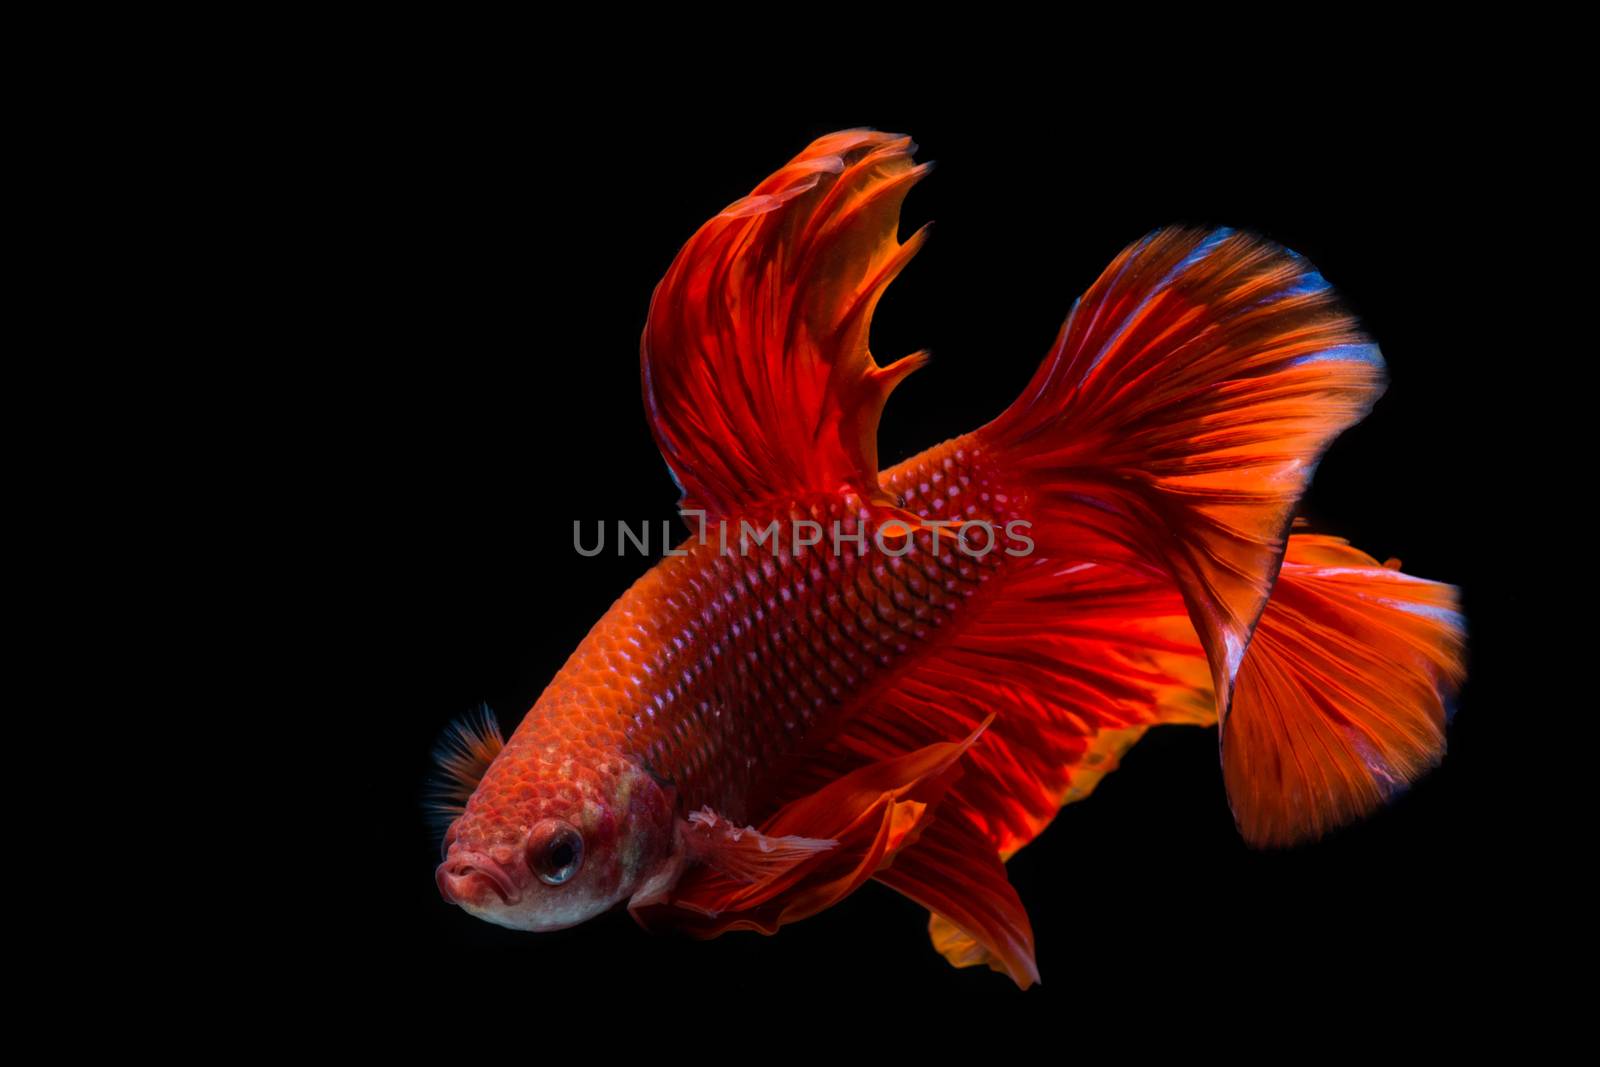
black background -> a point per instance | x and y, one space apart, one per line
498 270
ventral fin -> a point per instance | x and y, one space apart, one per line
757 379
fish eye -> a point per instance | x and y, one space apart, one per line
555 851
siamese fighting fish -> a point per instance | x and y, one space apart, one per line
851 673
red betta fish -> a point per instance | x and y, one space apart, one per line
902 675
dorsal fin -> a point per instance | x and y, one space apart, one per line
461 757
757 379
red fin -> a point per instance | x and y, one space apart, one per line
757 378
954 872
871 813
1180 414
744 853
1344 694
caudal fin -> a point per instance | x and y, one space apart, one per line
1343 697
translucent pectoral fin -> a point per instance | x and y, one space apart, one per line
744 853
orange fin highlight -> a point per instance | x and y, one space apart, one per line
1180 414
957 946
954 872
757 379
1343 697
871 814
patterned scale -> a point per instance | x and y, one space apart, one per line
715 667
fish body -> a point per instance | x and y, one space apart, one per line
850 673
718 665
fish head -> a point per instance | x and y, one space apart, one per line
555 834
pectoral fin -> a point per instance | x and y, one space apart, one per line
868 816
746 854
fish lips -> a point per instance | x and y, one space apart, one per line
467 877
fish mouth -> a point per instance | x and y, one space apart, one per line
464 878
